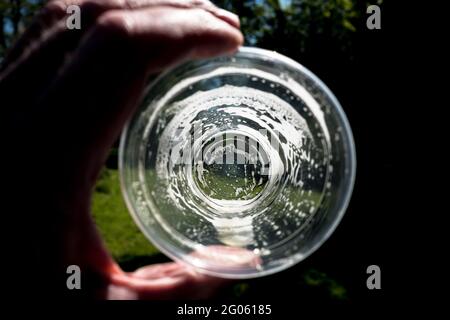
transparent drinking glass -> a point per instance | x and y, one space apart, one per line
240 166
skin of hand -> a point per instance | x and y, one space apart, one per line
65 96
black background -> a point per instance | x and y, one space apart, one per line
380 86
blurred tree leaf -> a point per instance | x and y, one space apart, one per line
15 16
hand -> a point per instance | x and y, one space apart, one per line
65 97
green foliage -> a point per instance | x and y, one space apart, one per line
121 235
297 26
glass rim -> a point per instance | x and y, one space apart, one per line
174 253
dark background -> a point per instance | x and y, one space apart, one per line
369 72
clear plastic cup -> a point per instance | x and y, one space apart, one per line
240 166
